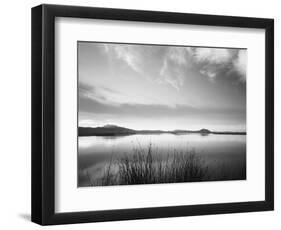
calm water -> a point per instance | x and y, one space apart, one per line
96 151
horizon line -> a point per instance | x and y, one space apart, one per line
164 130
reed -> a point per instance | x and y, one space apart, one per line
143 166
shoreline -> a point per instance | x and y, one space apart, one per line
159 133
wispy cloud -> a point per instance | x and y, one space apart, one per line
101 93
173 68
161 64
90 105
171 65
134 56
110 96
129 55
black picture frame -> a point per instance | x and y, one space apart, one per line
43 114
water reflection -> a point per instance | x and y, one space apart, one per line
96 151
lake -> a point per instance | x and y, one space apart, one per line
219 152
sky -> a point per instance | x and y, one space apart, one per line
161 87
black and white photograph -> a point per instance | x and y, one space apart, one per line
141 113
151 114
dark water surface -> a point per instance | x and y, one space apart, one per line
95 152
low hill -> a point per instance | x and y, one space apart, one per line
114 130
107 130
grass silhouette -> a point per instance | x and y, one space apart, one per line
146 166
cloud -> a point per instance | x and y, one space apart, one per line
212 55
171 74
88 105
86 90
110 96
174 65
131 56
209 73
135 57
177 55
210 62
170 65
160 64
240 64
101 94
213 62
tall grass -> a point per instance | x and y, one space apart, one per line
143 166
146 168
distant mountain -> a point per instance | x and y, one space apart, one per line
107 130
114 130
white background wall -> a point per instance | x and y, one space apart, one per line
15 114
